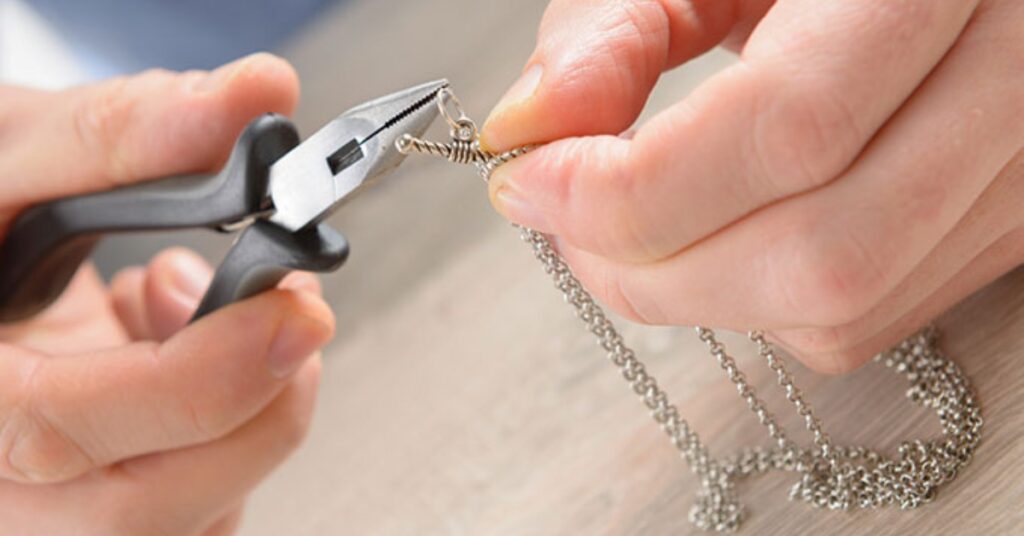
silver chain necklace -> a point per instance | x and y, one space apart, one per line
831 476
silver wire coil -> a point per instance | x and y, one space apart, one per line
457 151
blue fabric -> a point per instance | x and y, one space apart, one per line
117 36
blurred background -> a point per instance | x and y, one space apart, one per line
461 397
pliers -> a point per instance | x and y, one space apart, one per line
277 189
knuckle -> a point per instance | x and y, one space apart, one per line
609 203
561 168
202 424
185 415
33 446
182 414
830 280
637 30
827 350
633 31
627 49
802 137
198 421
625 230
101 119
620 297
204 421
616 298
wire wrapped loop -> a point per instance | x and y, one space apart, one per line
464 152
457 151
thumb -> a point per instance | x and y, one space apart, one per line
596 62
61 416
552 188
129 129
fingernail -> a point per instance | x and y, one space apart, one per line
215 78
523 88
510 202
297 338
190 275
520 92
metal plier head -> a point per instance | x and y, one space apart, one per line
346 154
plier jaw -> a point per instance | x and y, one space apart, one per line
312 180
285 188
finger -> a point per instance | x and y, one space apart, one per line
980 243
82 319
127 295
596 61
140 127
305 281
193 487
176 280
815 84
827 257
838 351
63 416
913 185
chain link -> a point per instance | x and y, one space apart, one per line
834 477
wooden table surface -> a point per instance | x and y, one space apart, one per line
463 398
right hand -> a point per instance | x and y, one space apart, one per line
116 416
856 172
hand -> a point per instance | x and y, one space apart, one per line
116 418
854 174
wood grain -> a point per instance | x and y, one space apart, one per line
463 398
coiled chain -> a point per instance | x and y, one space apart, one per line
838 478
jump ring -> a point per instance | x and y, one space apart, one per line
462 127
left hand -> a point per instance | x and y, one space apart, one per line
858 171
117 416
122 369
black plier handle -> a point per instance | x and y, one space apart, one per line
47 243
45 246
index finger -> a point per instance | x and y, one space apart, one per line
134 128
